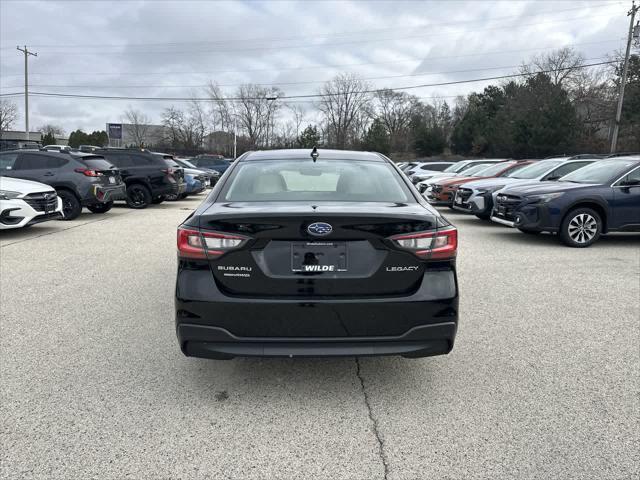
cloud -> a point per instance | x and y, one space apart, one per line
165 48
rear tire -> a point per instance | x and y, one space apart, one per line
483 216
71 206
581 228
138 196
100 207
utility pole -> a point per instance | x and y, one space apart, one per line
26 52
623 80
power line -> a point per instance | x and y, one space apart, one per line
309 96
313 45
415 59
317 35
387 77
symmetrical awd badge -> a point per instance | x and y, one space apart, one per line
319 229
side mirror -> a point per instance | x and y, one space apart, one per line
553 178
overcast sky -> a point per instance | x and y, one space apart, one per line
173 48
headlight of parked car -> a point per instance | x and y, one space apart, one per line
8 195
545 197
489 189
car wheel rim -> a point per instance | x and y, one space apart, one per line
137 198
582 228
67 206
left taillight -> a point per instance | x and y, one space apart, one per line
199 244
87 172
436 245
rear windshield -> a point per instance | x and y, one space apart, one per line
96 163
170 162
301 180
535 170
186 163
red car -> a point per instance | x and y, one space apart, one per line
443 190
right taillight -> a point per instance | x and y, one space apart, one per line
438 245
199 244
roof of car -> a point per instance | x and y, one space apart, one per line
305 153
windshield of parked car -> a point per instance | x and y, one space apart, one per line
474 170
302 180
535 170
601 172
456 167
494 169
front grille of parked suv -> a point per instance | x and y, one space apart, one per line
505 204
42 202
464 194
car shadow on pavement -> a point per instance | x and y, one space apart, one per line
307 378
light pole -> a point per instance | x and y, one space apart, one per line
623 80
26 52
270 100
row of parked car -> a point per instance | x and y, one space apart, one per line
54 182
577 197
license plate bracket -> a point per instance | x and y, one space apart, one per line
319 257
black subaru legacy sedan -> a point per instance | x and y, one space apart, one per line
322 253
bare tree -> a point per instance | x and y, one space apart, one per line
8 114
186 130
51 129
257 110
139 126
562 66
344 105
220 110
394 110
299 115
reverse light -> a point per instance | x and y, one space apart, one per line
87 172
202 245
438 245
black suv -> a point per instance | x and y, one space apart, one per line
80 179
148 176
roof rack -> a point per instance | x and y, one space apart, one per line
622 154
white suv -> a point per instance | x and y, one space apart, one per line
23 203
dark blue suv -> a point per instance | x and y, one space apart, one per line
600 198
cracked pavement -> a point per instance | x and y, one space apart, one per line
543 382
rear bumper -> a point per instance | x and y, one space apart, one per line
218 343
104 194
214 325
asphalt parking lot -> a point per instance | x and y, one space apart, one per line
543 382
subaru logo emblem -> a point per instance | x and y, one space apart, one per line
319 229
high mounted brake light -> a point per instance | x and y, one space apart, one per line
202 245
438 245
